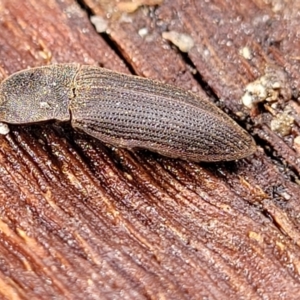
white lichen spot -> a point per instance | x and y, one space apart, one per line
143 32
100 23
183 41
206 53
44 105
246 53
4 129
285 195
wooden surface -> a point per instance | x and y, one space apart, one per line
83 220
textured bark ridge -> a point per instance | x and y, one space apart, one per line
83 220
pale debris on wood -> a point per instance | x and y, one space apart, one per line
100 23
183 41
297 144
130 7
267 88
282 123
246 53
143 32
4 129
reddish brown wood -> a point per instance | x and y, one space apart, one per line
82 220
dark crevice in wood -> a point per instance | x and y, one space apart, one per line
198 77
118 52
85 7
106 37
291 173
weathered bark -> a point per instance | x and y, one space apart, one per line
83 220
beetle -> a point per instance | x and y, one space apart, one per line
125 111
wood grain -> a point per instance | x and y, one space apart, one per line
80 220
